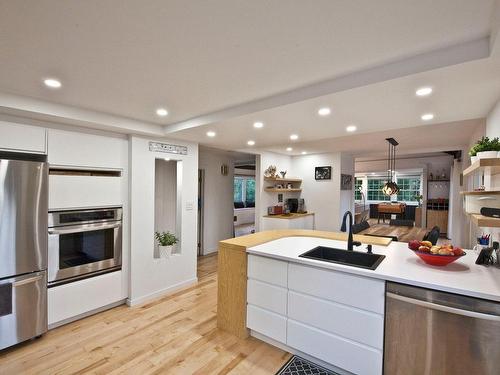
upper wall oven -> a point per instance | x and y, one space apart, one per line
84 243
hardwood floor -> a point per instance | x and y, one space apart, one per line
176 334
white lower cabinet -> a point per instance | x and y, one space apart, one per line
344 353
334 316
267 323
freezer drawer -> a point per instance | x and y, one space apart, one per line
431 332
23 308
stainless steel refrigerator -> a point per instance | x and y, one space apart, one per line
23 247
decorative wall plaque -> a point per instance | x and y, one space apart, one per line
167 148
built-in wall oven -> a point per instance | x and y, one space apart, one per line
84 243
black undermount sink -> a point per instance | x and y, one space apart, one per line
346 257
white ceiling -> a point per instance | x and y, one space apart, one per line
461 92
129 57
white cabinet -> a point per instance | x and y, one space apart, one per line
79 297
303 222
22 138
268 270
334 316
66 148
84 191
340 352
359 325
267 297
356 291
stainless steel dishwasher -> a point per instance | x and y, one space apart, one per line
432 332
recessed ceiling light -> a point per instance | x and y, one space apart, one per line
161 112
294 137
427 117
167 159
250 143
52 83
304 153
351 128
258 124
424 91
211 134
324 111
289 149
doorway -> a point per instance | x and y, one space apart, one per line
201 201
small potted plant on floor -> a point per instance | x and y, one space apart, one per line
166 242
485 148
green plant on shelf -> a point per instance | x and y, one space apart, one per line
485 144
166 238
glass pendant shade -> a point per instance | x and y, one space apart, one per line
391 187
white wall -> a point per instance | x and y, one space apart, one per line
150 277
325 198
218 202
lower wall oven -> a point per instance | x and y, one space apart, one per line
84 243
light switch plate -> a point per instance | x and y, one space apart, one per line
189 206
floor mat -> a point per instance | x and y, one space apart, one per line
300 366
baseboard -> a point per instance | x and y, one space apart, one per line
86 314
209 251
288 349
161 292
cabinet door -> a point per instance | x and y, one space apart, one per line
269 270
352 290
22 138
267 323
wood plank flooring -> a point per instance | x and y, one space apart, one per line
176 334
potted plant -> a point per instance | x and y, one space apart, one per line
419 198
485 148
166 242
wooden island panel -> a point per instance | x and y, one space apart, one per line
232 272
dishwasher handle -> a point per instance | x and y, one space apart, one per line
447 309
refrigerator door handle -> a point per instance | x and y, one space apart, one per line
29 280
447 309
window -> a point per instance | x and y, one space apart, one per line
374 190
244 190
409 187
358 185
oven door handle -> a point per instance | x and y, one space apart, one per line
83 228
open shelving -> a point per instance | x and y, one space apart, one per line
491 166
485 221
481 192
284 190
277 180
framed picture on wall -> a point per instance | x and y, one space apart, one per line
323 173
345 182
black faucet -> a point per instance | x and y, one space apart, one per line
350 242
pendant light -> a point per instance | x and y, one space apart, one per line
390 187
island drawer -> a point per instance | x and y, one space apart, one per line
356 291
359 325
348 355
266 323
269 270
267 296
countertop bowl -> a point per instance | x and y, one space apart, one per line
436 259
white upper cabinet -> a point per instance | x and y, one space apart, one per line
22 138
87 150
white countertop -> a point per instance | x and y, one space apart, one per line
400 265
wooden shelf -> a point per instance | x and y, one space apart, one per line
270 179
485 221
274 190
488 165
481 192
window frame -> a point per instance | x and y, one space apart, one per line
244 179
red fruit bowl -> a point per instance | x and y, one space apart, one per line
436 259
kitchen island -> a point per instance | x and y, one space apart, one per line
336 314
232 271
